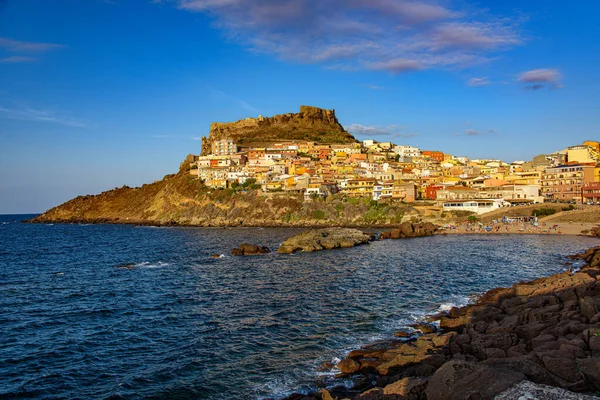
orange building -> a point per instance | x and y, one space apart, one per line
434 155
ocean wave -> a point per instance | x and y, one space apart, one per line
454 301
147 264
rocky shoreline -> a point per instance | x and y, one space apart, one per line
543 332
233 224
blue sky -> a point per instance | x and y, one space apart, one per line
97 94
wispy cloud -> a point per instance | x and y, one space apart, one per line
24 112
478 82
475 132
540 78
16 59
392 131
389 35
373 87
28 47
232 99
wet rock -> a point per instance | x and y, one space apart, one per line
425 327
246 249
348 366
324 239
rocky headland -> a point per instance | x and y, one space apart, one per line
311 124
182 200
545 332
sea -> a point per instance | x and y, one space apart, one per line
120 311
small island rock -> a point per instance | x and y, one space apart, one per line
324 239
246 249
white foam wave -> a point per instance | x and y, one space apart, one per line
454 301
147 264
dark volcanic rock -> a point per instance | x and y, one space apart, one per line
246 249
546 331
458 380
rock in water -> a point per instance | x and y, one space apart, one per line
409 230
246 249
324 239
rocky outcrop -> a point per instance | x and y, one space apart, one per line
311 124
246 249
546 331
410 230
324 239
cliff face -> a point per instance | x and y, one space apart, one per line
311 124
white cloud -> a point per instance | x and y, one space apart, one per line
393 131
540 78
391 35
478 82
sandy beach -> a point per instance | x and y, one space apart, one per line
543 228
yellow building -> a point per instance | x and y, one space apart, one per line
582 154
359 187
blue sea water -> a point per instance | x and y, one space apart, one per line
180 324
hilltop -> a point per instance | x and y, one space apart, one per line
310 124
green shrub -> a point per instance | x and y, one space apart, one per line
543 212
571 207
353 200
472 218
318 214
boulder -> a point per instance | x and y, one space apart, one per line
458 379
246 249
324 239
348 366
590 370
410 388
410 230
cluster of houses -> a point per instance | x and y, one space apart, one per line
384 171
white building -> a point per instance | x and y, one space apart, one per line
407 151
478 206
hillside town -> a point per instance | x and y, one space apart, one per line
386 172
